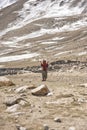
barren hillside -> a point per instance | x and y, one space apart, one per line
43 29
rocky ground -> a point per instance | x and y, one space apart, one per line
63 108
55 66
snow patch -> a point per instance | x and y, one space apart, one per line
5 3
58 38
18 57
82 53
48 42
62 53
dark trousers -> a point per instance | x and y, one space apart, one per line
44 74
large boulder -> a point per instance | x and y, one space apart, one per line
5 82
41 90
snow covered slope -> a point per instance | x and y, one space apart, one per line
5 3
40 26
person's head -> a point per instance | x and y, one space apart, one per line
44 61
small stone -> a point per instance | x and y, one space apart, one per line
39 110
20 127
57 120
39 106
72 128
31 111
21 79
46 127
16 121
83 85
50 94
22 103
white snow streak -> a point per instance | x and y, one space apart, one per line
5 3
82 53
18 57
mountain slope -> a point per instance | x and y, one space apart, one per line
6 3
51 29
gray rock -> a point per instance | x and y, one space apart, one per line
46 127
50 94
13 108
57 119
15 100
72 128
11 101
83 85
20 127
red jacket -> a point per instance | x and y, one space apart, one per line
44 66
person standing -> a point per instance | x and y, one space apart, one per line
44 66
